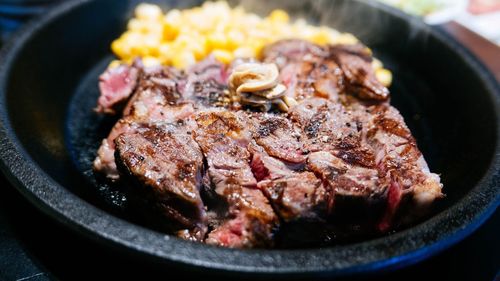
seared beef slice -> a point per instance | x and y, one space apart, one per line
223 138
332 72
342 156
279 137
116 86
166 164
278 163
400 163
163 94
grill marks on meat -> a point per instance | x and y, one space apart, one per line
305 69
294 194
400 161
279 137
349 186
297 196
159 97
331 127
365 154
104 162
339 155
224 139
355 62
167 164
152 102
341 152
331 72
206 84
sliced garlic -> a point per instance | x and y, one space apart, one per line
281 105
253 77
290 101
257 85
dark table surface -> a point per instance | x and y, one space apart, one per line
34 247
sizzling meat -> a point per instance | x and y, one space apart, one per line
309 70
162 95
342 157
399 161
116 85
224 139
279 137
166 162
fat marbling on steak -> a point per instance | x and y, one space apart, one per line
232 177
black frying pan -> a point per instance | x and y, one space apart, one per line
49 134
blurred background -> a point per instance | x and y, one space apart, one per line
470 21
480 16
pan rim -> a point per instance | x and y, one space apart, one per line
35 185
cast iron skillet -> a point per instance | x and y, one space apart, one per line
48 86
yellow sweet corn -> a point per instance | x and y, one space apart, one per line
183 59
279 16
150 61
146 11
223 55
183 37
384 76
216 41
114 63
244 52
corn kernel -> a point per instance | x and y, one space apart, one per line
120 49
180 38
223 56
216 41
376 64
149 61
165 53
235 38
321 37
384 76
244 52
279 16
183 59
114 64
346 38
146 11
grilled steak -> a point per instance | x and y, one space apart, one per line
104 162
163 94
399 161
339 155
116 85
141 112
297 196
294 193
342 159
166 162
366 155
355 191
224 139
279 137
206 83
309 70
355 62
